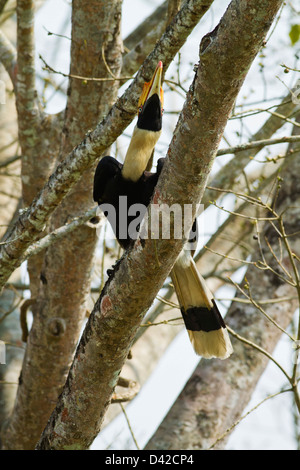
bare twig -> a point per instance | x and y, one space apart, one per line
258 307
228 430
9 161
129 427
61 232
132 390
259 144
297 282
260 349
113 78
32 222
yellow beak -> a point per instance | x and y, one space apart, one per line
153 87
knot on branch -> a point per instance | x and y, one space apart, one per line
56 327
94 221
207 40
132 390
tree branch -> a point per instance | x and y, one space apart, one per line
259 144
33 220
58 318
231 171
26 91
142 30
8 57
227 52
59 233
226 387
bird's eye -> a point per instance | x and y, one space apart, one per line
162 111
140 109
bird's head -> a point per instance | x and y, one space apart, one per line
147 130
150 107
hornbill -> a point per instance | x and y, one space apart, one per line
204 323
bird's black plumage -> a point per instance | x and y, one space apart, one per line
110 185
124 193
150 116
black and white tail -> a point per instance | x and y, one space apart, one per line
203 321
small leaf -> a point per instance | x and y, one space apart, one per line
294 33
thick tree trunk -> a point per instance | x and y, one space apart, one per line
32 222
38 133
58 317
226 55
217 392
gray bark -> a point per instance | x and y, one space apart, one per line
226 55
33 221
217 392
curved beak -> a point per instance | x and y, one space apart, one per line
153 87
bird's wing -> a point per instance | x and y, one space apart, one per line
106 169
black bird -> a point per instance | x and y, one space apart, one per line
204 323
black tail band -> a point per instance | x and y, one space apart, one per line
203 319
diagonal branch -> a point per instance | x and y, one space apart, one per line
33 220
142 30
254 144
8 57
26 91
227 175
226 387
227 52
